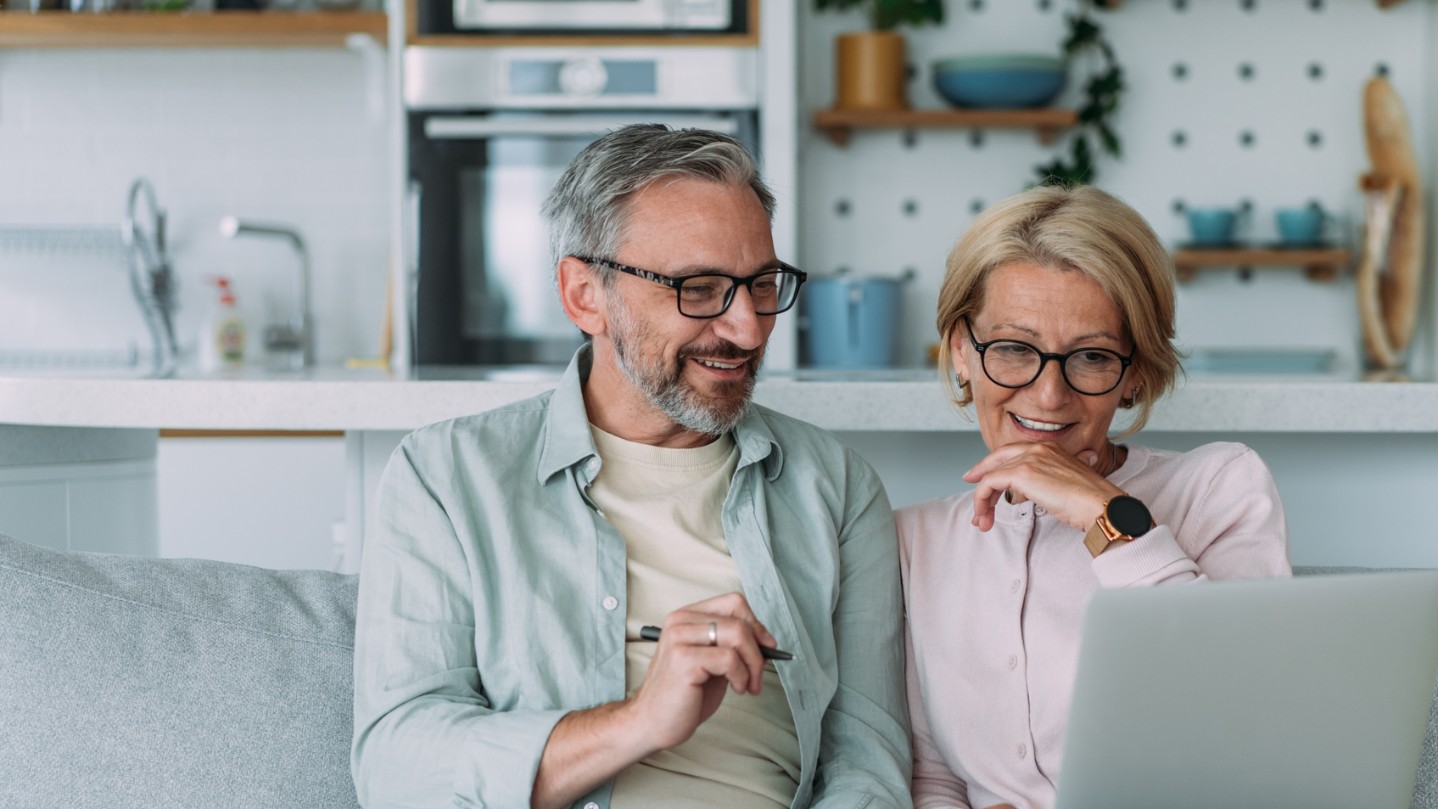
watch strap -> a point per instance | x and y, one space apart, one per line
1097 540
1103 534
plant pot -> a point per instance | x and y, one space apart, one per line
871 71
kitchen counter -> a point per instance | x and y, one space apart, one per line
899 400
1329 441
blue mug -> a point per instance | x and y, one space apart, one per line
1299 227
1213 227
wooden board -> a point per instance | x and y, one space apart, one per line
1390 150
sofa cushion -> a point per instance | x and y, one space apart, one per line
132 682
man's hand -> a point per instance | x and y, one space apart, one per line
682 688
704 648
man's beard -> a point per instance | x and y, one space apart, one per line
666 388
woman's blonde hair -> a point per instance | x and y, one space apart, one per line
1082 229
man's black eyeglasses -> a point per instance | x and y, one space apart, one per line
705 295
1016 364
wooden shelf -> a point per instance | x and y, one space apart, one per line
185 29
1318 263
839 124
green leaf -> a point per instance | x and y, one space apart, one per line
885 15
1110 140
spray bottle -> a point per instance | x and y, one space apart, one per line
222 337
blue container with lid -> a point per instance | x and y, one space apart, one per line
852 322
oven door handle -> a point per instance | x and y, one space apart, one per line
469 128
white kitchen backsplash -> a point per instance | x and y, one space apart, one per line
1227 100
290 136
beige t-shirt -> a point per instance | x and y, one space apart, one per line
667 504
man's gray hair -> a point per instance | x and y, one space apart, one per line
589 206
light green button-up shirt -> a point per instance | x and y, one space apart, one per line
492 602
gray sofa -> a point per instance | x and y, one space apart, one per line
129 682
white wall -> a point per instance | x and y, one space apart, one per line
290 136
943 176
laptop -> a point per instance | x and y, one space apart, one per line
1312 692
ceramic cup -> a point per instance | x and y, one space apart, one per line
1301 226
1213 226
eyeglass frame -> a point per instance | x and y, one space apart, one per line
676 283
1044 357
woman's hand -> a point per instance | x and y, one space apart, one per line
1068 487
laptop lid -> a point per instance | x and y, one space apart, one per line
1311 692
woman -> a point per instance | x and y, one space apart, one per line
1057 309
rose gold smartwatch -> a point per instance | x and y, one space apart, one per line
1123 519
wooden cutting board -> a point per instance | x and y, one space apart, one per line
1389 292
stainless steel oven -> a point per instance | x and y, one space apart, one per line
489 132
607 16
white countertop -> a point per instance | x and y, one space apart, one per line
340 399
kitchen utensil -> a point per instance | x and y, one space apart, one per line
1000 80
853 322
1301 227
152 279
1214 227
1390 272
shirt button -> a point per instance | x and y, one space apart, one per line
591 805
591 468
1039 511
1013 661
610 603
1023 751
1014 587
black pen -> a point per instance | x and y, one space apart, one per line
768 652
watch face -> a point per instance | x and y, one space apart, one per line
1129 515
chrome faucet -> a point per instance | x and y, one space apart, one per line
151 278
298 334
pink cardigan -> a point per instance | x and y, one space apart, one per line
994 619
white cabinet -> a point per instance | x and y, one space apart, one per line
79 489
276 502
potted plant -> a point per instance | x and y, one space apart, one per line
871 65
1102 93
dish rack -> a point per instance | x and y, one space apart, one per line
57 290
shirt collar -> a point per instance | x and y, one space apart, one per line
567 441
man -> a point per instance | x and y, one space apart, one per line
518 553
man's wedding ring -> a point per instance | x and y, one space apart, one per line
713 634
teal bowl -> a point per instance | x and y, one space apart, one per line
1002 81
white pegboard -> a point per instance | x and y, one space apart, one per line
1227 100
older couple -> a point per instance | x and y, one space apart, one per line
641 589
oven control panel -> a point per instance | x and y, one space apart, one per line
717 77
